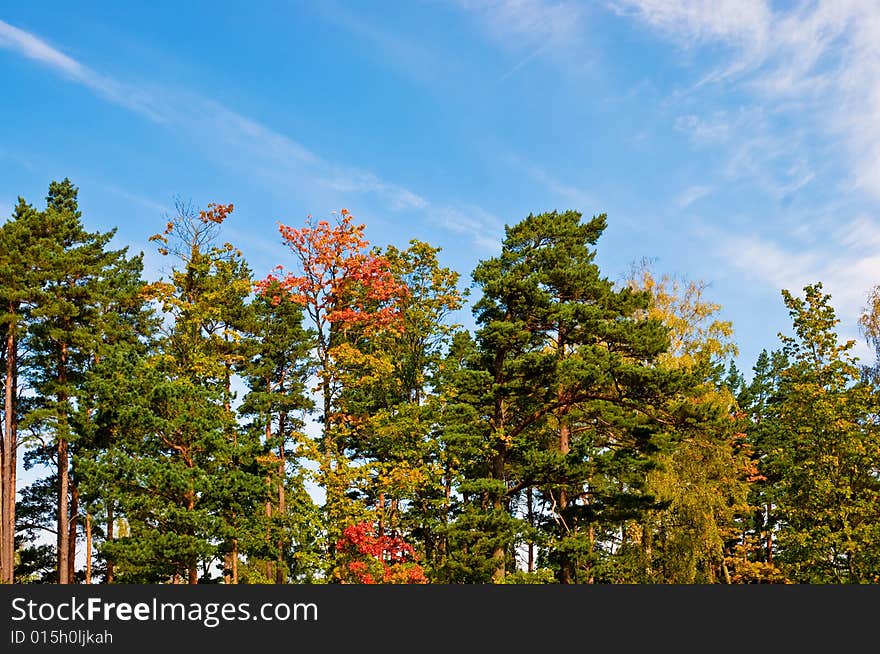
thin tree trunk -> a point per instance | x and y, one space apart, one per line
381 513
193 568
566 567
88 549
110 538
769 537
234 560
531 518
8 465
726 572
63 526
74 520
280 575
592 534
497 468
499 553
232 557
271 573
447 507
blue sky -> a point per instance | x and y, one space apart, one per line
733 141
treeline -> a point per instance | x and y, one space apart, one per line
327 421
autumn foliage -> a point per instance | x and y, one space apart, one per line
340 280
370 559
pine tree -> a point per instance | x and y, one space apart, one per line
826 452
18 284
78 282
575 396
276 372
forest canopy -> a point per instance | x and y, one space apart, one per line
327 421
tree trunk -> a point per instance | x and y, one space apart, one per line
88 549
8 464
497 467
74 520
381 503
531 518
63 543
566 566
109 538
592 535
280 575
193 568
447 507
499 553
234 560
63 526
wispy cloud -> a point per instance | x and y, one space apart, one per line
531 21
578 198
816 61
27 45
254 148
530 29
483 228
399 50
799 87
692 194
534 54
847 271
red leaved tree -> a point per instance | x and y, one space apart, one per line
366 558
348 293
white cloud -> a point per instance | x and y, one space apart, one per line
533 29
692 194
577 197
129 96
483 228
813 69
532 21
818 60
710 130
254 148
847 275
861 234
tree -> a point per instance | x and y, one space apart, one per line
702 478
192 479
79 279
276 373
390 392
573 388
347 293
18 264
369 559
826 452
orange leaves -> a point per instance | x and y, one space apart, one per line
188 229
340 281
215 213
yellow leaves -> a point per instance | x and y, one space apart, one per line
696 333
354 367
869 321
402 476
158 291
